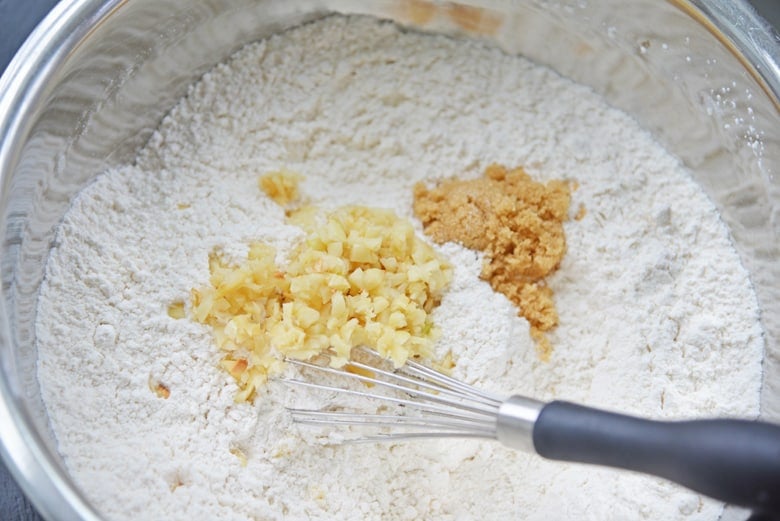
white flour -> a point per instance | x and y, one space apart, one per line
657 315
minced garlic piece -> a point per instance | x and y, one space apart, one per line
581 212
361 277
281 186
305 217
176 310
446 364
238 453
160 389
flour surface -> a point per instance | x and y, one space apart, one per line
657 315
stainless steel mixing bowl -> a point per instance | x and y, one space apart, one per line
96 77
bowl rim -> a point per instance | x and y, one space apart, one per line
747 36
39 64
28 79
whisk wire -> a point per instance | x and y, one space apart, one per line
433 404
336 418
404 436
451 383
454 400
422 406
398 375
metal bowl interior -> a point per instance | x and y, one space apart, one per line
93 81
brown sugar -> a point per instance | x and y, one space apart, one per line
517 222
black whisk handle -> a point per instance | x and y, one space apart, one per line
735 461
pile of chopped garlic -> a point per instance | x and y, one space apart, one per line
360 278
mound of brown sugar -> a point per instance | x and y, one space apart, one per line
517 222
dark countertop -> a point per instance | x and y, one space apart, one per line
17 19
